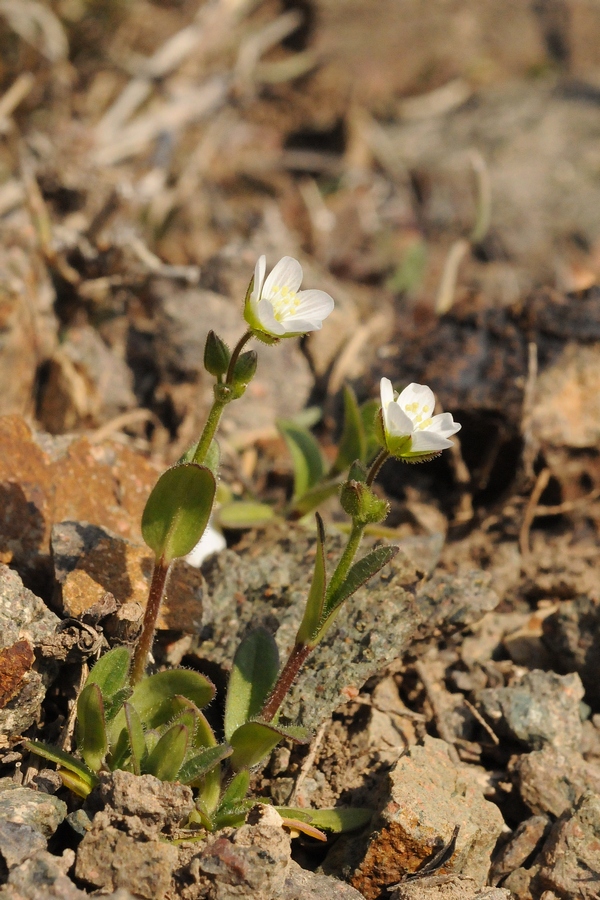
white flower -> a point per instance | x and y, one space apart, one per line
276 308
212 541
410 431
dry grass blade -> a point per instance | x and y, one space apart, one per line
37 25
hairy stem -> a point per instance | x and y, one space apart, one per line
212 423
289 673
155 596
343 567
235 355
377 464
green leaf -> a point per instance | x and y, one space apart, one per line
306 456
85 775
111 671
309 501
166 758
91 726
336 820
236 790
200 765
368 414
253 674
178 510
353 442
203 735
358 575
155 697
255 740
240 514
212 460
137 740
316 596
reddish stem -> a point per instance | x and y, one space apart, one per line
289 673
146 638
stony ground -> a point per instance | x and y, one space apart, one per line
435 168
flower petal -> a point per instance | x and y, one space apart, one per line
300 326
266 317
444 424
429 440
287 273
396 421
420 394
386 392
259 277
314 305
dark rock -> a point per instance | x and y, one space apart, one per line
522 845
572 634
543 708
551 781
425 797
22 806
570 859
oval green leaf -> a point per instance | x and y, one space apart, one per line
254 741
200 765
91 727
178 510
111 671
253 675
165 759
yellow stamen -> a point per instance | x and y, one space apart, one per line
284 301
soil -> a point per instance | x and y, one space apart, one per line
434 166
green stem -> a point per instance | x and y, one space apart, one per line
155 596
343 567
212 423
377 464
235 356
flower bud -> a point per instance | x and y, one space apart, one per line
216 355
361 504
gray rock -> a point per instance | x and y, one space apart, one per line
44 877
551 781
18 843
426 796
572 634
22 806
25 623
447 887
570 861
543 708
159 805
523 844
301 884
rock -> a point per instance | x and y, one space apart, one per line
25 623
22 806
520 882
301 884
44 877
425 797
108 859
526 839
18 842
45 480
447 887
570 859
90 560
572 635
184 318
251 861
159 805
86 383
543 708
551 781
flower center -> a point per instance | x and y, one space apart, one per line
284 301
419 415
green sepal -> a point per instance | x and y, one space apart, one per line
216 355
241 514
166 758
353 442
362 504
137 739
91 727
358 575
335 820
111 672
313 612
202 764
368 413
253 675
223 393
178 510
61 758
306 456
253 741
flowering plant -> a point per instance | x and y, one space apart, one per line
153 723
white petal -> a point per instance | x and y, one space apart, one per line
386 392
429 440
259 276
417 393
300 326
314 305
266 317
397 422
212 541
444 424
287 273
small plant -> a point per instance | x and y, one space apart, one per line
154 724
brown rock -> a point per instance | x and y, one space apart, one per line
89 561
551 781
521 846
158 804
566 412
570 859
447 887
